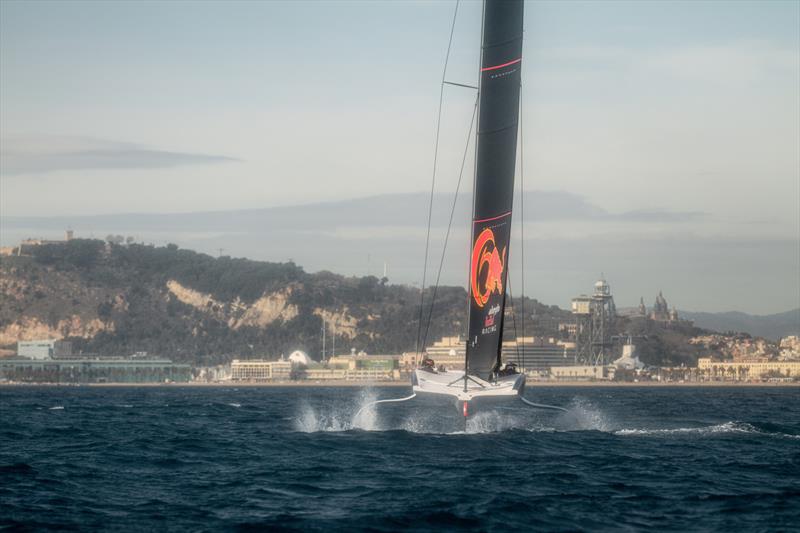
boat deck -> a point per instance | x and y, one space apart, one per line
451 384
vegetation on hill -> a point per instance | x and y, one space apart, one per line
113 298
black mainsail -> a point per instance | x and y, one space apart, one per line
498 117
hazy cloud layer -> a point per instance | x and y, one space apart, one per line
37 155
407 210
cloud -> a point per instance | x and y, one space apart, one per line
41 154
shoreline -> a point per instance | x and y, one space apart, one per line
393 384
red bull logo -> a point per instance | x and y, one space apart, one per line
487 268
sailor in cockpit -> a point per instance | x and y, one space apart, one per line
428 365
508 369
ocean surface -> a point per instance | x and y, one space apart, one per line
621 459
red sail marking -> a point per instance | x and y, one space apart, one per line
484 69
494 263
492 218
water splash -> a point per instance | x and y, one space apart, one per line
493 422
339 418
583 415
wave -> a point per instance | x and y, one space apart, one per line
234 404
730 427
57 408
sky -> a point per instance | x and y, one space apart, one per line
690 110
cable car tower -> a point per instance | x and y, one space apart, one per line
594 320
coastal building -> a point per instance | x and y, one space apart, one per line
260 370
790 348
740 347
745 370
352 367
539 353
44 349
629 359
97 370
449 352
529 353
581 373
568 328
363 366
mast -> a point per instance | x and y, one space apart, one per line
498 121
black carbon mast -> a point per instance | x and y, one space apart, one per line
498 121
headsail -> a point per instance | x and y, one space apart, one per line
501 63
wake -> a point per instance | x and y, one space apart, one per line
717 429
581 415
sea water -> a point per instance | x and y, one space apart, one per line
210 458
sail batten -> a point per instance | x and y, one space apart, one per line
501 63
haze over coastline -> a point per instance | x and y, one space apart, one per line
569 241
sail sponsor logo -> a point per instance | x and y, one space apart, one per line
503 74
487 267
488 321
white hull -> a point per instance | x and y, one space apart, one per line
451 385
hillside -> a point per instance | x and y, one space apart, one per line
772 327
116 299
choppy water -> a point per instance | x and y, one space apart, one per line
678 459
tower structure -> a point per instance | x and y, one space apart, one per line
594 317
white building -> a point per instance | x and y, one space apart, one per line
44 349
260 370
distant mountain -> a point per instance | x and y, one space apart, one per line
386 210
768 326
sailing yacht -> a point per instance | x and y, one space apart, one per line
485 376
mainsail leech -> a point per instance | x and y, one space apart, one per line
501 63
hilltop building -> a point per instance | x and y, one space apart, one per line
641 310
661 311
25 245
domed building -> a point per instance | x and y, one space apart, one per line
660 308
299 357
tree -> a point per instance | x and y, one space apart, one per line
298 372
